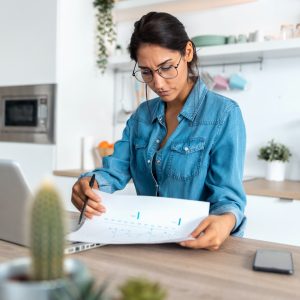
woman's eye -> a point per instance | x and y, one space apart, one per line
166 68
146 72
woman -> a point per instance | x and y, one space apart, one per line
188 143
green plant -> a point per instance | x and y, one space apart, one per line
86 291
141 289
47 235
274 151
106 30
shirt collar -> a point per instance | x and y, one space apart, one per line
191 105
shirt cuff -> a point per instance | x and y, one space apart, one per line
104 186
240 219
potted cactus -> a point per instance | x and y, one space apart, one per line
141 289
47 273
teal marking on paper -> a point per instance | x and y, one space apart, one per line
138 215
179 221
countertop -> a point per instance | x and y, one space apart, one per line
288 189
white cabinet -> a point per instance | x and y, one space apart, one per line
28 42
273 219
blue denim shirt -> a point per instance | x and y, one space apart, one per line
203 159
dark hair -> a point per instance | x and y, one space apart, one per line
165 30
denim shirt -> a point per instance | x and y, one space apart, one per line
203 159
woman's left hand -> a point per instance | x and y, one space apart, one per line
211 232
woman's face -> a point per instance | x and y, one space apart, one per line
150 56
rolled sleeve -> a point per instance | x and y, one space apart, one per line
224 181
115 173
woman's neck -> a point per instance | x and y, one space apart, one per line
178 103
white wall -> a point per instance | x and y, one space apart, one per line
271 104
27 42
85 96
36 161
27 56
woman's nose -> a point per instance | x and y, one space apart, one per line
158 81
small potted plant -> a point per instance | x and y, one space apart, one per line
276 155
141 289
47 274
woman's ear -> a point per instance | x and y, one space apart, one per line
189 51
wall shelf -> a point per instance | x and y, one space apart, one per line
229 54
134 9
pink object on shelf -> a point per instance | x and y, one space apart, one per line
220 83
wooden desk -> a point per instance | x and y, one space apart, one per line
189 274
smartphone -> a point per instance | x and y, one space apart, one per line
273 261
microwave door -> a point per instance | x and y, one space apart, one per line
21 115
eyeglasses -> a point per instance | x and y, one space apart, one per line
145 75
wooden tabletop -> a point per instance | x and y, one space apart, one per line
69 173
288 189
189 274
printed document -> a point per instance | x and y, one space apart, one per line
142 220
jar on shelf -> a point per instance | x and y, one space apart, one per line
287 31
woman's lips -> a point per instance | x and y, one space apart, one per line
164 93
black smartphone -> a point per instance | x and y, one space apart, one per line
273 261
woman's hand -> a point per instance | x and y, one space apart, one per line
82 191
211 232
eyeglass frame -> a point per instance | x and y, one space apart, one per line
156 70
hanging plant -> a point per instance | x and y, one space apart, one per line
106 32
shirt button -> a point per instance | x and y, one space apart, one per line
186 149
158 161
157 141
148 161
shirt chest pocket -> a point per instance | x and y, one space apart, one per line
185 158
139 156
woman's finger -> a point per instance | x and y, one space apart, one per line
201 227
87 191
204 241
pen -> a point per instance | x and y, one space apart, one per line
91 184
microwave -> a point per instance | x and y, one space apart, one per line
27 113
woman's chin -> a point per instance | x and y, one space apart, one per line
167 98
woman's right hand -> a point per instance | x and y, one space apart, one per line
82 191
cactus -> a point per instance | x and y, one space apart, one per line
47 234
141 289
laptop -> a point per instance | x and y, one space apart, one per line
15 195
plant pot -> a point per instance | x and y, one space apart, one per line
15 285
275 170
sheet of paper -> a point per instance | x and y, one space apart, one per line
142 219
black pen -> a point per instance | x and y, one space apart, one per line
91 184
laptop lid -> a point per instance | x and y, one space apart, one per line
15 196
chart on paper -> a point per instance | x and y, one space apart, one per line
142 219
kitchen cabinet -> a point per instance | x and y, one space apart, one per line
254 52
28 42
273 219
133 9
54 42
